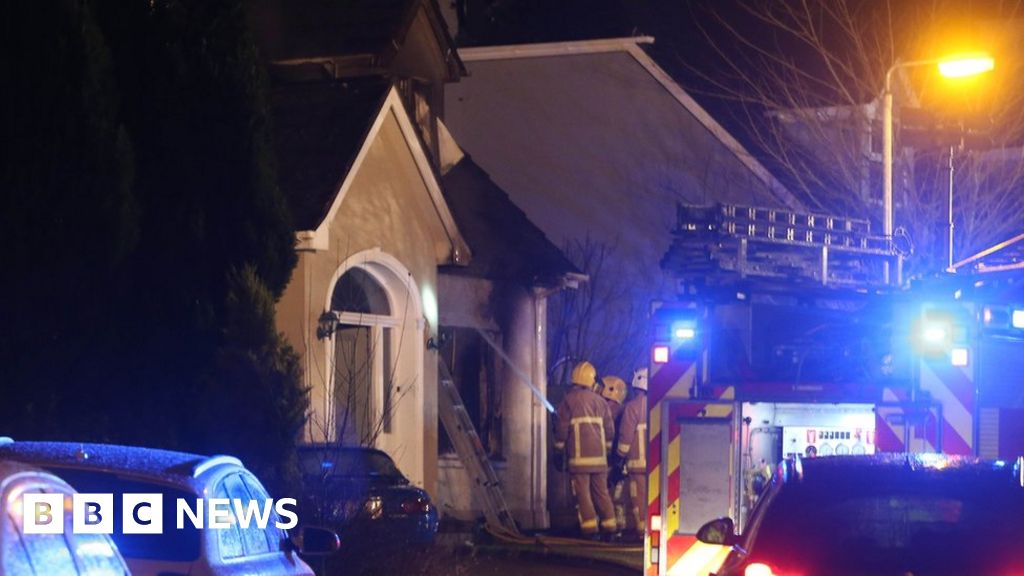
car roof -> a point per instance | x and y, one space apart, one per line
830 468
167 466
331 447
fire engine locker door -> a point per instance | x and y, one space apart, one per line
704 465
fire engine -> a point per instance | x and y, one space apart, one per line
793 335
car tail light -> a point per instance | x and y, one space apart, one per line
415 505
761 569
758 569
374 507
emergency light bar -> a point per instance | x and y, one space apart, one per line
996 317
941 332
684 331
935 333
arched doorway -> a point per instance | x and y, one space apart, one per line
376 360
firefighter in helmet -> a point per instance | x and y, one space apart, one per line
631 449
614 393
584 432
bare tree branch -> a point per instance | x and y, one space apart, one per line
807 85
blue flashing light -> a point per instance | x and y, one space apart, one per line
935 333
959 357
684 333
1017 319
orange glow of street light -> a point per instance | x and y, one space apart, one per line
964 65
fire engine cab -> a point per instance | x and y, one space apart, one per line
793 335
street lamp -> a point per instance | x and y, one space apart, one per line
950 67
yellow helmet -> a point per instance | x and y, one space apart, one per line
584 374
614 388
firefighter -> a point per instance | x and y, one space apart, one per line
584 432
631 449
614 393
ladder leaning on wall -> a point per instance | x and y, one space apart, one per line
485 484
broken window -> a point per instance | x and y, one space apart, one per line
474 366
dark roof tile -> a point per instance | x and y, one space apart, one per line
506 244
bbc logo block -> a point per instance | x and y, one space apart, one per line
144 513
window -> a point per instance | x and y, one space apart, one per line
872 522
358 292
172 545
254 539
364 359
274 534
229 540
96 555
473 366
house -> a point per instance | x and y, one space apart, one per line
408 252
494 312
598 144
372 228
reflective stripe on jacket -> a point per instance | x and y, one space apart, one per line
633 434
584 430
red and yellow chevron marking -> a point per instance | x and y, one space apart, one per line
948 386
684 554
670 382
953 388
888 431
666 381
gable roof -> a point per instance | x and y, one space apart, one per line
367 31
323 131
506 244
632 47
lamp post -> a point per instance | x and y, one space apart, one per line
949 67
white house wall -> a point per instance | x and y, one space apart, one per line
388 216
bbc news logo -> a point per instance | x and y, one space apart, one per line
144 513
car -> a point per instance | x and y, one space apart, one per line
174 476
362 494
883 514
28 554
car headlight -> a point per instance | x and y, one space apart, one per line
374 507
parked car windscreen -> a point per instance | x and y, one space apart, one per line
922 523
347 463
173 545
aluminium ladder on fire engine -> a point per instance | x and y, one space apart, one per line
728 241
460 429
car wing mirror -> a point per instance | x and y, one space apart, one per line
720 531
314 540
